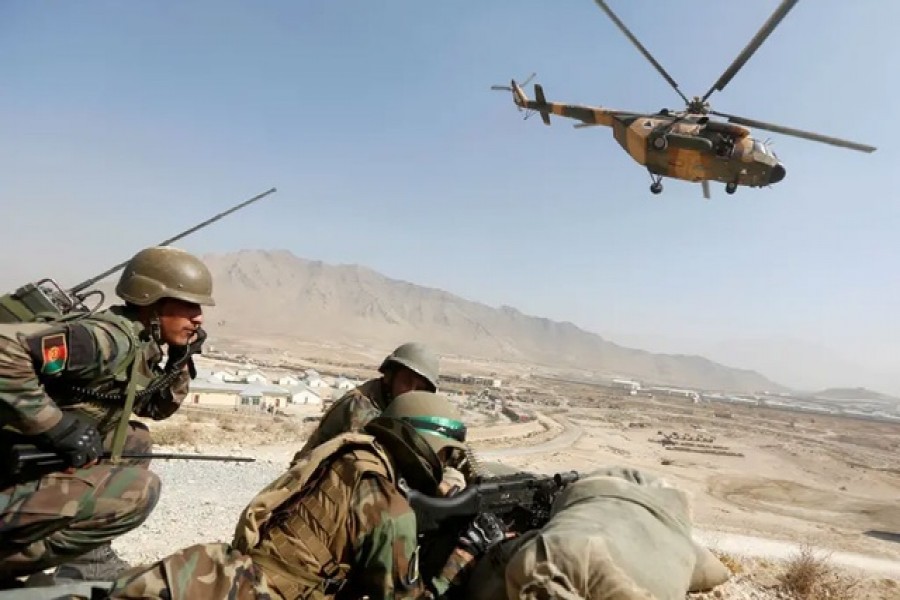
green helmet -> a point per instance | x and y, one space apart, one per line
165 272
417 358
433 416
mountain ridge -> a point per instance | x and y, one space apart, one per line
276 292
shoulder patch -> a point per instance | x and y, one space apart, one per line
54 353
64 348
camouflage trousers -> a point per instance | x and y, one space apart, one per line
198 571
60 516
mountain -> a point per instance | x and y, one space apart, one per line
275 293
854 394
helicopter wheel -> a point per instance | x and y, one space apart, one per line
730 187
656 187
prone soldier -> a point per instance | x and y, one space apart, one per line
336 524
70 386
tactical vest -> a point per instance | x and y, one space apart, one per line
102 400
295 554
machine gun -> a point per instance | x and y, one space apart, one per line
46 298
522 500
26 462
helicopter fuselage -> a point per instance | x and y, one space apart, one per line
691 148
679 145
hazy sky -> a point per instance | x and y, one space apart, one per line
123 122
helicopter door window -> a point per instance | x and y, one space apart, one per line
648 124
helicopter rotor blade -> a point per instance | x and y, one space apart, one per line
507 88
640 47
816 137
705 184
752 46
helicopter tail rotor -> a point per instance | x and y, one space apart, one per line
521 98
517 90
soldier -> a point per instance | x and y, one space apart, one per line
65 386
410 367
336 524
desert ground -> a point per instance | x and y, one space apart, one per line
764 482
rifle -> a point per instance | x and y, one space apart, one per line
46 296
522 500
26 462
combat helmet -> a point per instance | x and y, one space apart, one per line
414 429
165 272
433 416
417 358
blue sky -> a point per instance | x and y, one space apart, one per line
123 122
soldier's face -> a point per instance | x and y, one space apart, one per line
407 381
178 321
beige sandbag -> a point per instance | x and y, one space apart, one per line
616 534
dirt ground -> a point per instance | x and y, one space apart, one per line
828 481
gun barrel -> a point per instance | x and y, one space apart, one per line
25 457
89 282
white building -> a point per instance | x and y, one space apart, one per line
301 394
264 396
288 380
343 384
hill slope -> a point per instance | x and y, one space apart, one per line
274 292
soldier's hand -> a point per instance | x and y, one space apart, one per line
195 346
76 442
485 531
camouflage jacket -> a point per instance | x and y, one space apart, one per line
382 547
41 365
372 542
349 413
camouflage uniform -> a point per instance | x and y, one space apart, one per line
378 540
62 513
349 413
335 522
82 364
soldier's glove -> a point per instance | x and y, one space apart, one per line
75 441
485 531
177 354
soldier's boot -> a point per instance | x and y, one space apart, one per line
100 564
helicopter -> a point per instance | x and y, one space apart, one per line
686 144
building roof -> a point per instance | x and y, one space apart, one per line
259 389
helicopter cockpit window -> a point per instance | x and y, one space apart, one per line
759 147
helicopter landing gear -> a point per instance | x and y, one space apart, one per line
656 187
730 187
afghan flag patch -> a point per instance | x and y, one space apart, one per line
55 352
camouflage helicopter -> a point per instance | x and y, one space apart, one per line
686 144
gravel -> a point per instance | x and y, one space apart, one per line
200 500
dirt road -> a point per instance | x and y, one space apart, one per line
563 441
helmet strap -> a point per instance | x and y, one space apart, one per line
155 328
